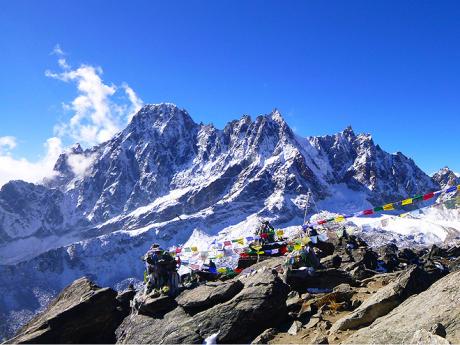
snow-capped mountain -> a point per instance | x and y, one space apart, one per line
446 177
164 178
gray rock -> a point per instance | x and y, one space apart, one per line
259 305
155 306
440 303
422 337
82 313
265 336
208 295
381 303
295 327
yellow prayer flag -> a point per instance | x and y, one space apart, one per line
406 202
340 219
194 249
305 240
298 247
458 187
218 256
403 215
221 270
279 233
261 253
388 207
240 241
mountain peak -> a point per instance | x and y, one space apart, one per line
161 116
446 177
348 132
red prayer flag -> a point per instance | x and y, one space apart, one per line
264 235
367 212
428 196
178 250
227 243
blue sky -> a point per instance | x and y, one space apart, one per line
390 68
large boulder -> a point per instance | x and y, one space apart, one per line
322 279
208 295
176 327
260 304
440 304
82 313
412 281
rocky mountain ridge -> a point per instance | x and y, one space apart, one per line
344 302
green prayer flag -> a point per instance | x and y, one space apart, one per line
418 197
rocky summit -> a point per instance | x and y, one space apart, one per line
169 180
416 301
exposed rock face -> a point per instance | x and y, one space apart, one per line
439 304
410 282
208 295
82 313
446 178
258 305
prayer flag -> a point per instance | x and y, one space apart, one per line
187 250
178 250
458 187
279 233
451 189
428 196
367 212
388 207
264 235
340 219
227 243
194 249
305 240
418 197
240 241
321 222
250 239
406 202
378 208
298 247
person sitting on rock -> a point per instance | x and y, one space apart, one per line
212 267
266 232
344 236
151 260
351 245
308 257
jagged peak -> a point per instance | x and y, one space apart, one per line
276 116
348 132
160 116
75 149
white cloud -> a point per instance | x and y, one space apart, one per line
7 144
96 114
23 169
136 102
80 163
57 50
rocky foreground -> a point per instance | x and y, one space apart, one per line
418 301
